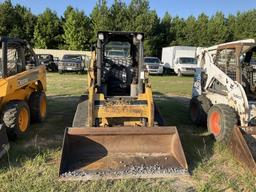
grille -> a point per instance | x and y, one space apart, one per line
153 67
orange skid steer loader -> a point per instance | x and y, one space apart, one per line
117 130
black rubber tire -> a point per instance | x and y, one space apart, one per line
80 118
60 71
228 120
4 144
11 118
198 109
35 100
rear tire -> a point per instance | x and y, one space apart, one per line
60 72
198 109
16 118
221 121
38 106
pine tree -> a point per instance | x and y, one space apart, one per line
77 30
47 30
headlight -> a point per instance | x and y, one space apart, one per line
101 36
139 37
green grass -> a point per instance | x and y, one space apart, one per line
32 162
172 85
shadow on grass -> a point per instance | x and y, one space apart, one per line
197 144
46 136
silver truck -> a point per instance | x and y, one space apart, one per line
153 65
72 63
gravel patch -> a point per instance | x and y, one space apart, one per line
128 171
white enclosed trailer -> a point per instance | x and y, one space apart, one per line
179 59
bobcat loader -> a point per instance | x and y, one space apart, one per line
117 130
22 90
224 97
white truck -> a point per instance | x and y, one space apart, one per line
179 59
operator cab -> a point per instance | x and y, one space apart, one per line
119 57
15 56
238 61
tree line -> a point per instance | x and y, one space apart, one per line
77 31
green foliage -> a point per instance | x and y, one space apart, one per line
47 30
190 36
218 29
100 18
28 21
201 30
77 30
119 16
16 21
178 30
245 25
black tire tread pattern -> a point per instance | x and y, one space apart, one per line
34 103
10 118
204 104
229 121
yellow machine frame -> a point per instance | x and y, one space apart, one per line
21 85
107 111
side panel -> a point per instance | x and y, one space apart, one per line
167 57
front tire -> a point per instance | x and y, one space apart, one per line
221 121
38 106
198 109
16 118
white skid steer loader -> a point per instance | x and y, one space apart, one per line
224 96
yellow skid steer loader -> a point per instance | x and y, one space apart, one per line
22 89
117 130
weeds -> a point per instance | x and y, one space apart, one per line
32 162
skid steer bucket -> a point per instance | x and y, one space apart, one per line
243 146
121 152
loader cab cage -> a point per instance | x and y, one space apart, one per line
119 61
15 55
238 61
